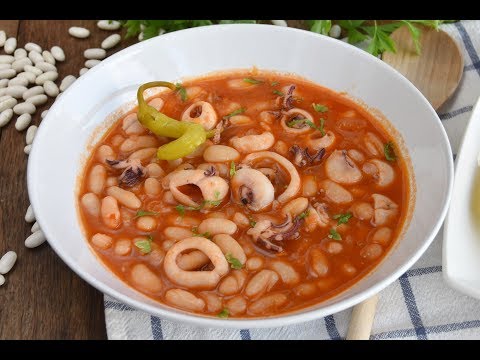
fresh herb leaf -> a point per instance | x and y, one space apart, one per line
233 171
320 108
237 21
180 209
195 232
141 213
224 313
236 112
320 26
234 262
252 221
278 92
217 194
304 214
210 202
319 128
274 83
252 81
145 246
334 235
181 91
389 151
342 218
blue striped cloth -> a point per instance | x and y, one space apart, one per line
417 306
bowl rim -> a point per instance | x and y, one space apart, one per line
306 314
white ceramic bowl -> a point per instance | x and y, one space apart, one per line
60 144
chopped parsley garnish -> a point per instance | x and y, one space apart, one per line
233 171
304 214
182 208
278 92
236 112
141 213
389 151
234 262
252 221
224 313
195 232
334 235
181 91
252 81
274 83
342 218
145 246
308 123
320 108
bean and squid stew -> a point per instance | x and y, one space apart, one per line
244 195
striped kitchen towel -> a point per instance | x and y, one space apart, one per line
417 306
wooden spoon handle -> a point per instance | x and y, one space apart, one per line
362 319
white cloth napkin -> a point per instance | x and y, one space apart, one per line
417 306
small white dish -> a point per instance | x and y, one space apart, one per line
461 234
61 143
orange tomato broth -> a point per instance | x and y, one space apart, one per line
348 121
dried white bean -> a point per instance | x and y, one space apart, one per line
36 71
140 36
27 149
19 65
38 99
2 92
79 32
6 59
36 90
3 38
91 63
5 117
36 239
16 91
45 66
7 104
3 83
18 81
20 54
108 25
35 227
33 47
49 75
66 82
29 215
95 53
23 121
31 132
51 89
111 41
7 73
335 31
279 22
7 261
28 75
4 97
58 53
2 278
44 113
48 57
35 56
82 71
25 107
5 66
10 45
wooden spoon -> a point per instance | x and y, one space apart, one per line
436 72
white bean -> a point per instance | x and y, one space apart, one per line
20 54
102 241
51 89
16 91
29 76
10 45
2 278
19 80
335 31
7 261
25 107
67 81
279 22
49 75
3 82
125 197
7 104
7 73
33 47
36 239
108 25
2 92
91 63
111 41
19 65
36 71
48 57
35 56
29 215
32 130
43 114
79 32
4 97
95 53
6 59
5 117
45 66
23 121
35 227
82 71
36 90
58 53
38 99
27 149
3 38
5 66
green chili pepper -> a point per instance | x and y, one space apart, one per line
188 135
